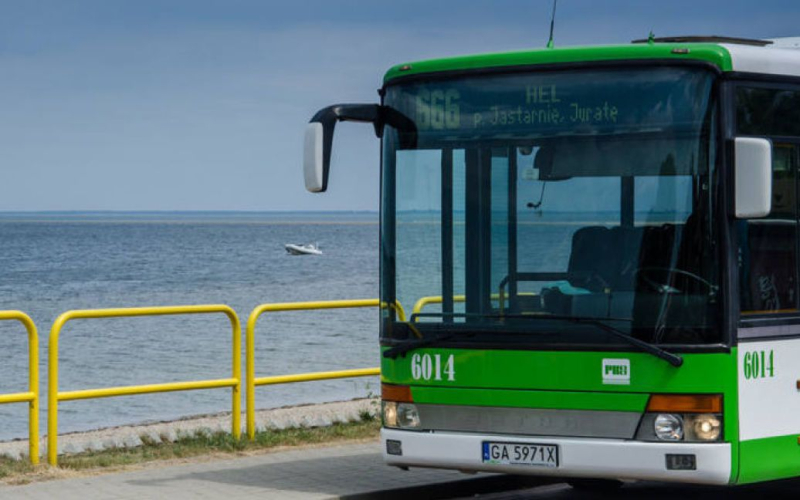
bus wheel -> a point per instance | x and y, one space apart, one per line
603 485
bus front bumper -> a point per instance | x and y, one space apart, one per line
577 457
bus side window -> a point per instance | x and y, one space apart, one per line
768 247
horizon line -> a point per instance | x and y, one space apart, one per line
182 211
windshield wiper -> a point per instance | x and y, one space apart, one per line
647 347
656 351
406 347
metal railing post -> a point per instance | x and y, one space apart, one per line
250 378
54 397
32 396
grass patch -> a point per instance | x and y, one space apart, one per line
10 467
216 443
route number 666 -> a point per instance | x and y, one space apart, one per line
427 367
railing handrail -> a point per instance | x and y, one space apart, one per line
437 299
53 396
322 304
250 379
433 299
32 395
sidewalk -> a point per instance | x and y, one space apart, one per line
354 471
347 472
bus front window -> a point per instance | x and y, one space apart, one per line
536 205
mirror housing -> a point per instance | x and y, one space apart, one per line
753 177
319 136
316 176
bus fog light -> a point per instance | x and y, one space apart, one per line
668 427
703 427
389 414
407 416
394 447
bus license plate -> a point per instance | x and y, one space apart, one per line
542 455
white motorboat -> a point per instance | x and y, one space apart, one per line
307 249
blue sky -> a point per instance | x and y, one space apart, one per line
201 105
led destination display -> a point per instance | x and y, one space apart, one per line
556 103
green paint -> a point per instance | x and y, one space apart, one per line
579 371
769 458
532 399
730 409
711 53
570 380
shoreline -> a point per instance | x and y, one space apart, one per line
130 436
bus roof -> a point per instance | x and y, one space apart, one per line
773 58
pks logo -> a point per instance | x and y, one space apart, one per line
617 371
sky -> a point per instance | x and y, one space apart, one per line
202 105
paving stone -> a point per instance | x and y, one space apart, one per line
110 443
132 441
169 436
150 436
73 448
94 445
12 454
303 474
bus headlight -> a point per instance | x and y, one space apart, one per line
689 418
668 427
400 415
389 414
407 416
703 427
398 409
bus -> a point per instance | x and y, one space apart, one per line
596 249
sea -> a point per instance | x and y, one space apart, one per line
59 261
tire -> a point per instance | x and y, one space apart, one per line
597 485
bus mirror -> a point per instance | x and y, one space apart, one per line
314 169
319 136
753 177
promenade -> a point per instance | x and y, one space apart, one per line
351 471
347 472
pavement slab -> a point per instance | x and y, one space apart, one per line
309 473
350 472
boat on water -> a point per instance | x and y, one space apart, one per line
307 249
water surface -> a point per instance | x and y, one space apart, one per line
54 262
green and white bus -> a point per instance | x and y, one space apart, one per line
596 253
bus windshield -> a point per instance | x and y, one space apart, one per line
543 207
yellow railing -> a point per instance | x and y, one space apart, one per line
32 396
250 378
54 397
424 301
